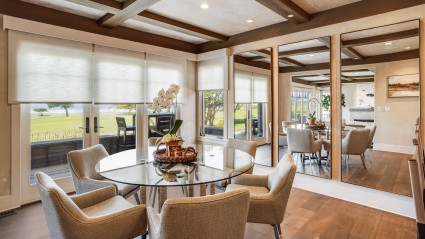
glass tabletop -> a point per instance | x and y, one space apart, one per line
213 163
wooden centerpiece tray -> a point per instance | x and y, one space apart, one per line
316 126
175 154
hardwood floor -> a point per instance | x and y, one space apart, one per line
308 215
388 172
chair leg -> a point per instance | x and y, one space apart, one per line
369 152
144 235
363 158
277 231
136 196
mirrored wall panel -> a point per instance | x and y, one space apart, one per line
304 105
252 102
380 92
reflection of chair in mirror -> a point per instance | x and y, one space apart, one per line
269 194
122 126
355 143
164 124
301 141
218 216
370 141
96 214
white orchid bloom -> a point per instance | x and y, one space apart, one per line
161 93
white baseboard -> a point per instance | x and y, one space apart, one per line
385 201
394 148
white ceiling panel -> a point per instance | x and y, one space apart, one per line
223 16
381 30
406 44
300 45
315 58
358 73
321 5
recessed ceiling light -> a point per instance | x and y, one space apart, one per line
408 47
250 20
311 55
388 43
205 6
291 15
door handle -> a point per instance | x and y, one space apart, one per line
96 125
87 126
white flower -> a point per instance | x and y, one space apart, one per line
156 100
161 93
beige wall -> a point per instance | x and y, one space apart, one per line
188 112
5 119
397 126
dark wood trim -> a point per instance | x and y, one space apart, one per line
286 8
369 80
357 10
304 51
352 53
381 38
399 56
304 82
255 58
51 16
172 24
259 64
289 61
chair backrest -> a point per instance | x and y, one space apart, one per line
280 183
300 140
153 141
288 124
163 123
121 122
82 162
61 212
219 216
249 147
356 141
371 135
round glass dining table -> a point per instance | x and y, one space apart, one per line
213 163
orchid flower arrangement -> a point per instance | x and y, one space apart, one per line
165 98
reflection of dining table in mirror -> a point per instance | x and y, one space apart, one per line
213 163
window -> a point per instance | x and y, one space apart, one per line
299 105
213 112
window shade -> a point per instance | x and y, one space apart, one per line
212 74
48 70
243 86
260 88
161 73
118 76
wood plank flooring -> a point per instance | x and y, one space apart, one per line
308 215
388 172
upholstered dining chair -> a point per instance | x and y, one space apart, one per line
82 166
301 141
249 147
369 149
218 216
96 214
355 143
269 194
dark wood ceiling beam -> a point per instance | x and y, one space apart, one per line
304 51
369 80
113 7
304 82
51 16
381 38
130 9
289 61
399 56
348 51
259 64
287 8
255 58
353 11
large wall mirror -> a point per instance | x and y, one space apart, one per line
252 107
380 96
304 105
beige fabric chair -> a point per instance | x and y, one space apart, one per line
219 216
302 141
153 141
96 214
269 193
355 143
369 149
82 165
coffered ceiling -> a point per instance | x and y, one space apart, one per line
196 25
